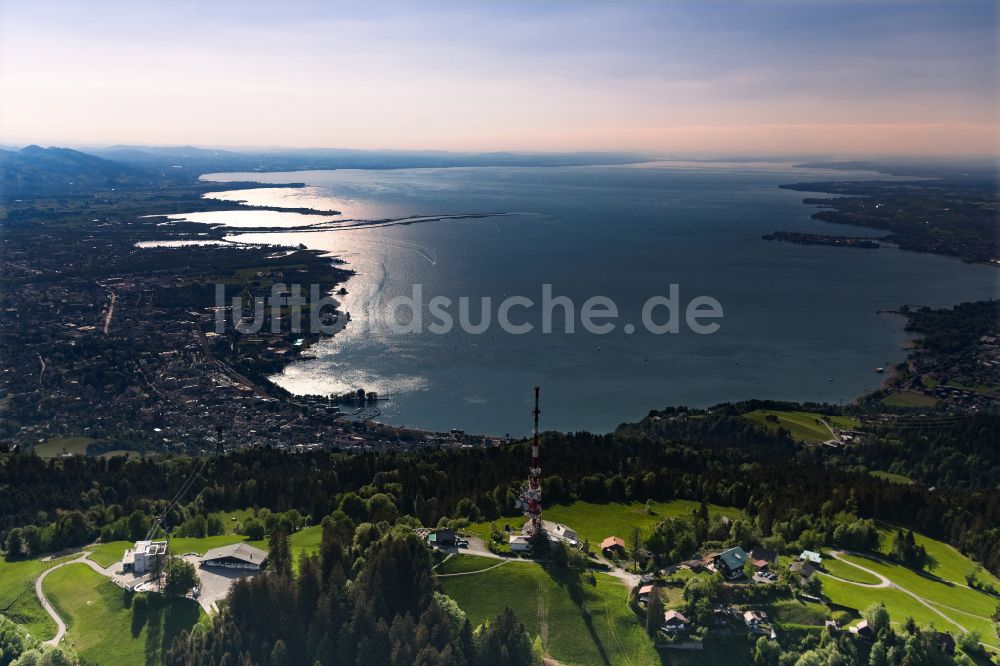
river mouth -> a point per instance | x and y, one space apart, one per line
799 322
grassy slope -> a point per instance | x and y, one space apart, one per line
109 626
17 596
466 563
847 572
549 602
946 561
931 589
57 446
893 478
899 604
803 426
909 399
594 522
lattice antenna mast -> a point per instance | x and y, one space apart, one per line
533 495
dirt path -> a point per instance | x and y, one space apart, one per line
477 571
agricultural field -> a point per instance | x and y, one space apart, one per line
58 446
802 426
579 622
110 626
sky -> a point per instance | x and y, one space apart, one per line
669 77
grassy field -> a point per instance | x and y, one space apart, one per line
978 388
898 479
795 612
551 603
930 588
803 426
594 522
899 604
466 563
909 399
17 596
847 572
58 446
969 608
227 518
109 626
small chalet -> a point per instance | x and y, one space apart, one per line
863 630
812 557
613 544
519 543
674 622
730 563
644 593
754 619
760 565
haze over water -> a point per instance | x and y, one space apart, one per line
800 322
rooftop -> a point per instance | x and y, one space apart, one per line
240 551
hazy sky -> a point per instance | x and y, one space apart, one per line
844 76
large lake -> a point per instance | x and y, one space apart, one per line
800 322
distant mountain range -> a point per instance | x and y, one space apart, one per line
37 171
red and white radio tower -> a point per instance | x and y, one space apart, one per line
531 495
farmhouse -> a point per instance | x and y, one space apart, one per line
674 622
235 556
644 593
730 563
613 544
146 556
